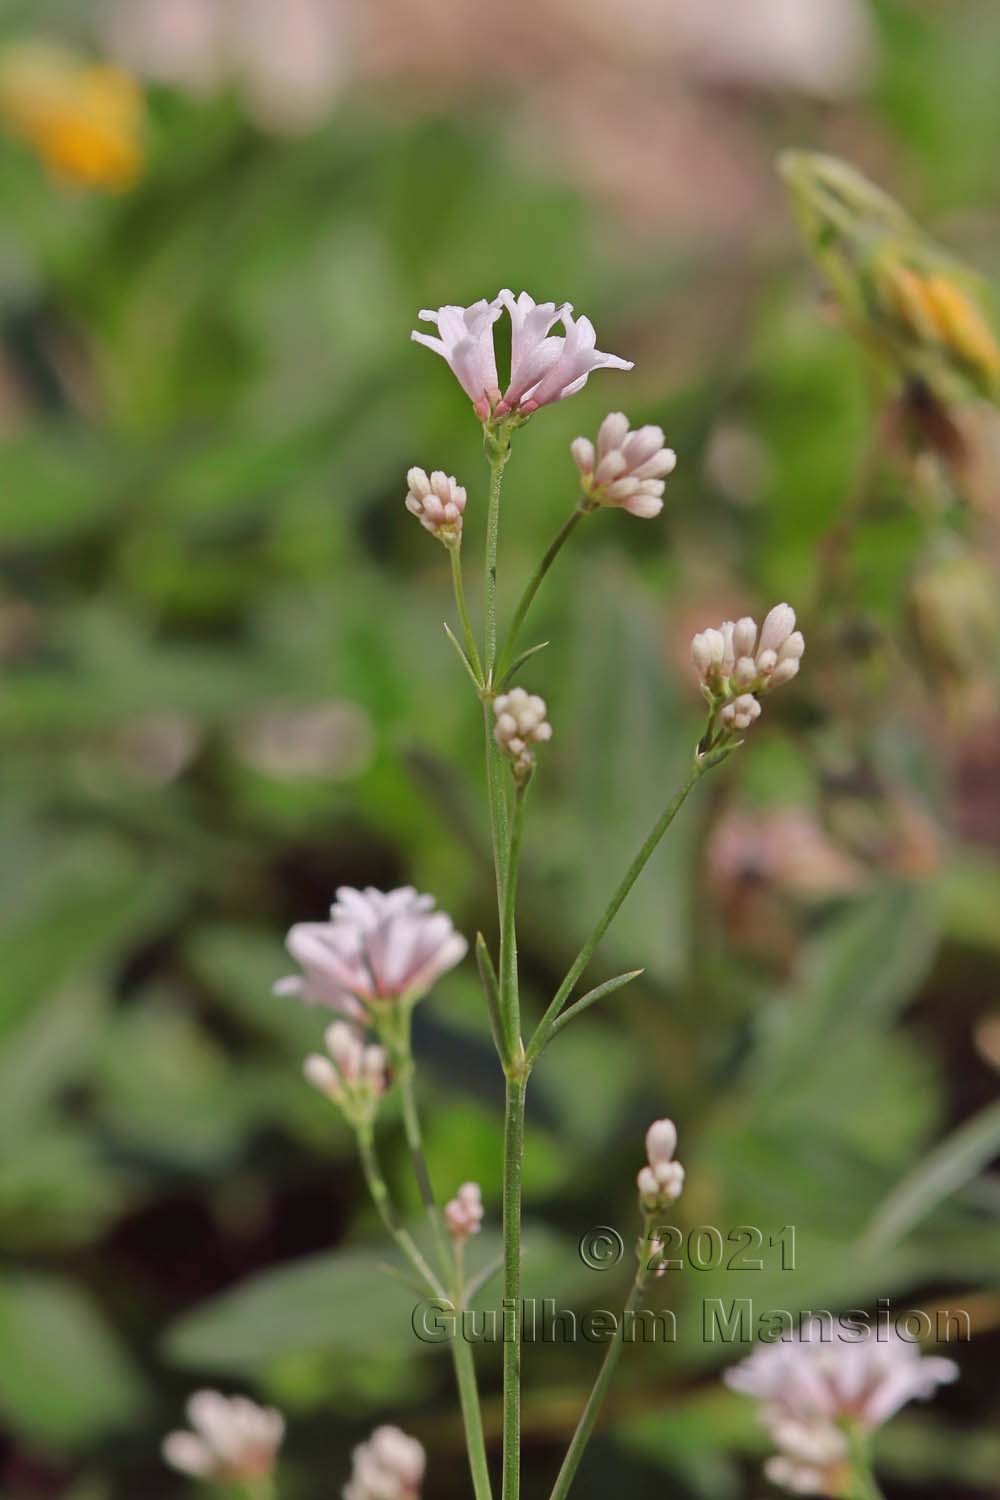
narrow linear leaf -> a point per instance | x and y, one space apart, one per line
946 1169
591 998
462 656
519 661
491 989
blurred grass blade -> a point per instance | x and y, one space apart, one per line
936 1176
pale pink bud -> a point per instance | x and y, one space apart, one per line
584 456
741 712
777 627
438 502
520 722
233 1440
745 636
390 1466
661 1141
630 467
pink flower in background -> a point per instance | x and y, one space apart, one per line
812 1385
466 342
232 1439
390 1466
463 1214
377 946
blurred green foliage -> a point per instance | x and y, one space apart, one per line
226 691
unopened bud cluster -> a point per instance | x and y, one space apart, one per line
627 469
520 723
737 666
463 1214
354 1074
390 1466
438 502
661 1181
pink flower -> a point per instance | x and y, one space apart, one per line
466 342
545 368
463 1214
809 1386
231 1439
378 946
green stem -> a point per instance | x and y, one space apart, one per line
595 1400
513 1152
380 1197
461 1353
498 452
415 1140
535 582
472 1416
510 1005
632 874
471 649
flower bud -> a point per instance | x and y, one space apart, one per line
438 502
520 723
627 469
463 1214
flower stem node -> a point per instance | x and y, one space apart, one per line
520 723
661 1181
438 502
353 1076
390 1466
626 469
463 1214
232 1440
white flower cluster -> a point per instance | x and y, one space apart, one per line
520 723
661 1181
390 1466
463 1214
809 1387
736 666
627 469
232 1440
377 948
438 502
353 1076
544 367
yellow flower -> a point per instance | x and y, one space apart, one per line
83 118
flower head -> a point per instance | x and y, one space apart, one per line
812 1390
520 723
736 666
378 947
390 1466
627 469
463 1214
353 1076
438 502
661 1181
546 368
466 342
232 1439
